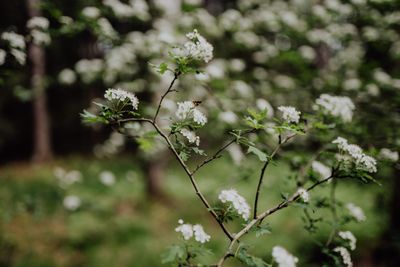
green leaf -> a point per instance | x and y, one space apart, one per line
175 253
262 230
261 155
250 260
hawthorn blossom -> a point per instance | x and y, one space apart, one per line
40 38
336 106
355 154
387 154
122 95
348 236
321 169
303 194
198 48
107 178
189 230
67 76
190 136
283 258
356 212
72 202
38 23
20 56
67 178
238 202
91 12
290 114
2 56
345 254
188 110
15 40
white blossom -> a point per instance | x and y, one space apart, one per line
190 136
337 106
91 12
72 202
15 40
348 236
67 178
387 154
106 29
38 23
238 202
356 212
344 253
89 69
188 110
40 37
228 117
199 234
122 95
304 195
20 56
321 169
198 47
290 114
356 155
283 258
67 76
107 178
2 56
188 231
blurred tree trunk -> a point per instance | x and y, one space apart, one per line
154 170
41 138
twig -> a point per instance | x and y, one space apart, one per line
260 180
176 75
186 169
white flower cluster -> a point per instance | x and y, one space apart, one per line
387 154
321 169
189 230
198 47
337 106
191 136
135 8
91 12
238 202
187 111
67 76
67 178
355 154
283 258
17 44
89 69
3 55
121 95
345 254
356 212
38 27
303 194
107 178
72 202
290 114
348 236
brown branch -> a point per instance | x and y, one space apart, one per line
176 75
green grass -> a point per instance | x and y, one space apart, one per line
119 226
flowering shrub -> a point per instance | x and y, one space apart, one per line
122 107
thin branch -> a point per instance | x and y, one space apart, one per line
186 169
176 75
260 180
262 216
217 154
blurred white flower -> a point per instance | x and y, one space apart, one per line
72 202
67 178
40 37
356 212
91 12
337 106
15 40
348 236
38 23
344 253
321 169
228 117
190 136
263 104
283 258
304 195
67 76
389 155
19 56
107 178
2 56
